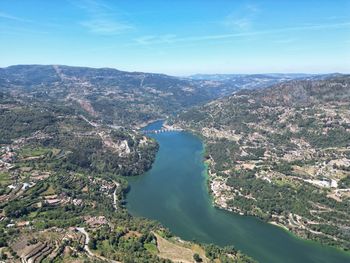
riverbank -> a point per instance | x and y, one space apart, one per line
279 225
146 123
176 193
221 194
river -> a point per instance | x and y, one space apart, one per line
174 192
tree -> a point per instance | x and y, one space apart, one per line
3 256
92 244
197 258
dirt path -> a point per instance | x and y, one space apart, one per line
115 195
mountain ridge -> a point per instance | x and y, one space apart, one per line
117 97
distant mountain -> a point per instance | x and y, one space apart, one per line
125 98
236 76
282 154
253 81
320 90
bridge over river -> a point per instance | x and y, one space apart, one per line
162 130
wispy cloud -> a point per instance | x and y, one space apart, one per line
7 16
285 41
102 18
241 19
105 26
148 40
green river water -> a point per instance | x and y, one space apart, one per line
174 192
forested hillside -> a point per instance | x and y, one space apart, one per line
62 181
119 97
282 154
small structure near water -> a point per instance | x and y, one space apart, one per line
167 129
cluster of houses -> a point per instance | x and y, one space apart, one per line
7 156
104 186
62 199
95 221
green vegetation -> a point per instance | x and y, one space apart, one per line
226 254
283 152
66 173
345 182
69 142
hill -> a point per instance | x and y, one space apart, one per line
282 154
118 97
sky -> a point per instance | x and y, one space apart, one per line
179 37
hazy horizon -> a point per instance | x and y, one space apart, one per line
185 75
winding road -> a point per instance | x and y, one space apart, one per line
87 249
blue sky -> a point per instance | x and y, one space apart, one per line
179 37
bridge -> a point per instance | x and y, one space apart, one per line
162 130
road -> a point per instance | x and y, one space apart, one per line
115 195
87 249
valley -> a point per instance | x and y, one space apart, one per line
174 131
62 180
